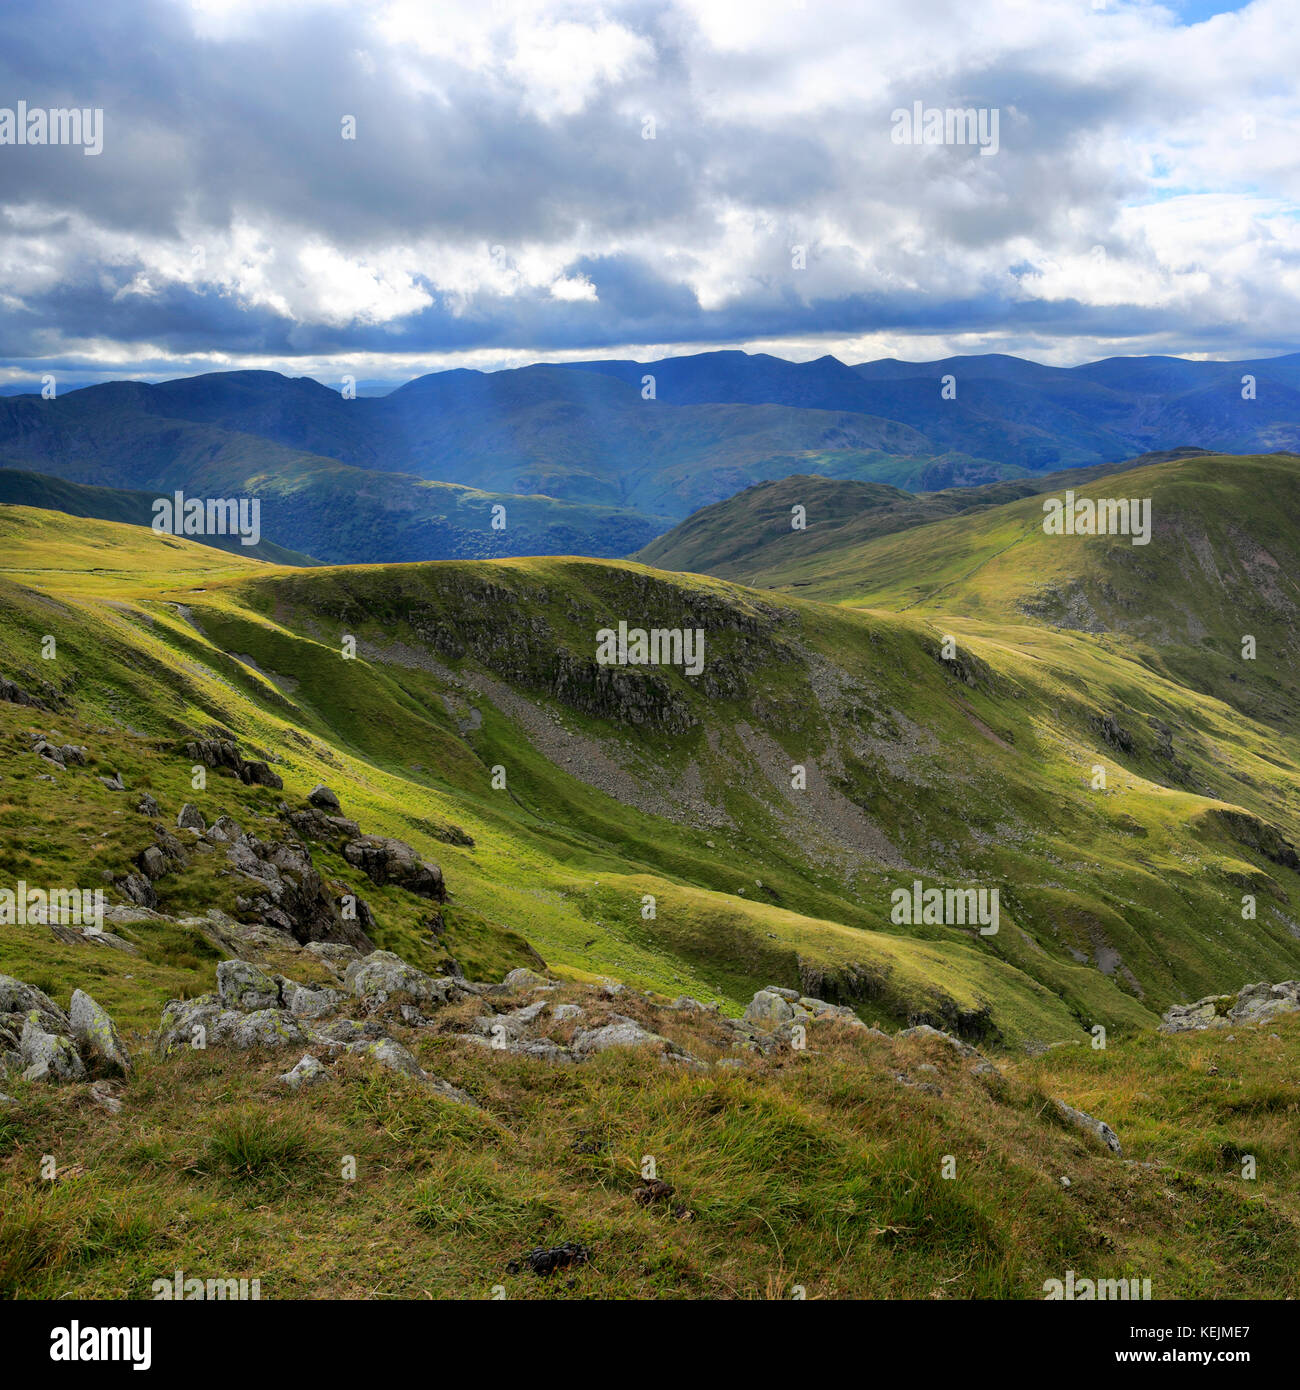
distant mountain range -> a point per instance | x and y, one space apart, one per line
598 458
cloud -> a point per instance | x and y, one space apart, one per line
643 176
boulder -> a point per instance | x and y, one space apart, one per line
768 1009
259 774
147 806
324 799
246 987
382 974
21 1000
1099 1128
265 1028
384 860
48 1056
191 818
308 1072
625 1033
315 1003
97 1036
523 978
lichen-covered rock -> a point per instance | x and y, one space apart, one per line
1261 1003
563 1012
1097 1127
768 1009
315 1003
265 1028
48 1056
382 974
292 895
191 818
246 987
22 999
625 1033
196 1023
204 1022
308 1072
523 978
1255 1003
97 1035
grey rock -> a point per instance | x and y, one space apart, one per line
1254 1003
308 1072
265 1028
563 1012
523 978
147 806
246 987
385 860
768 1009
315 1003
622 1034
1097 1127
382 974
324 799
191 818
223 830
21 999
48 1056
97 1035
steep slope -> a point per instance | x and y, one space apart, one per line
475 711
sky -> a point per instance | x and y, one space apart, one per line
376 190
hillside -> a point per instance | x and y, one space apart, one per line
19 488
559 798
751 534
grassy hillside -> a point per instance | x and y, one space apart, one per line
822 1169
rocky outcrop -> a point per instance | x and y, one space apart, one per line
224 753
384 860
1257 1003
43 1043
383 975
48 700
291 894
